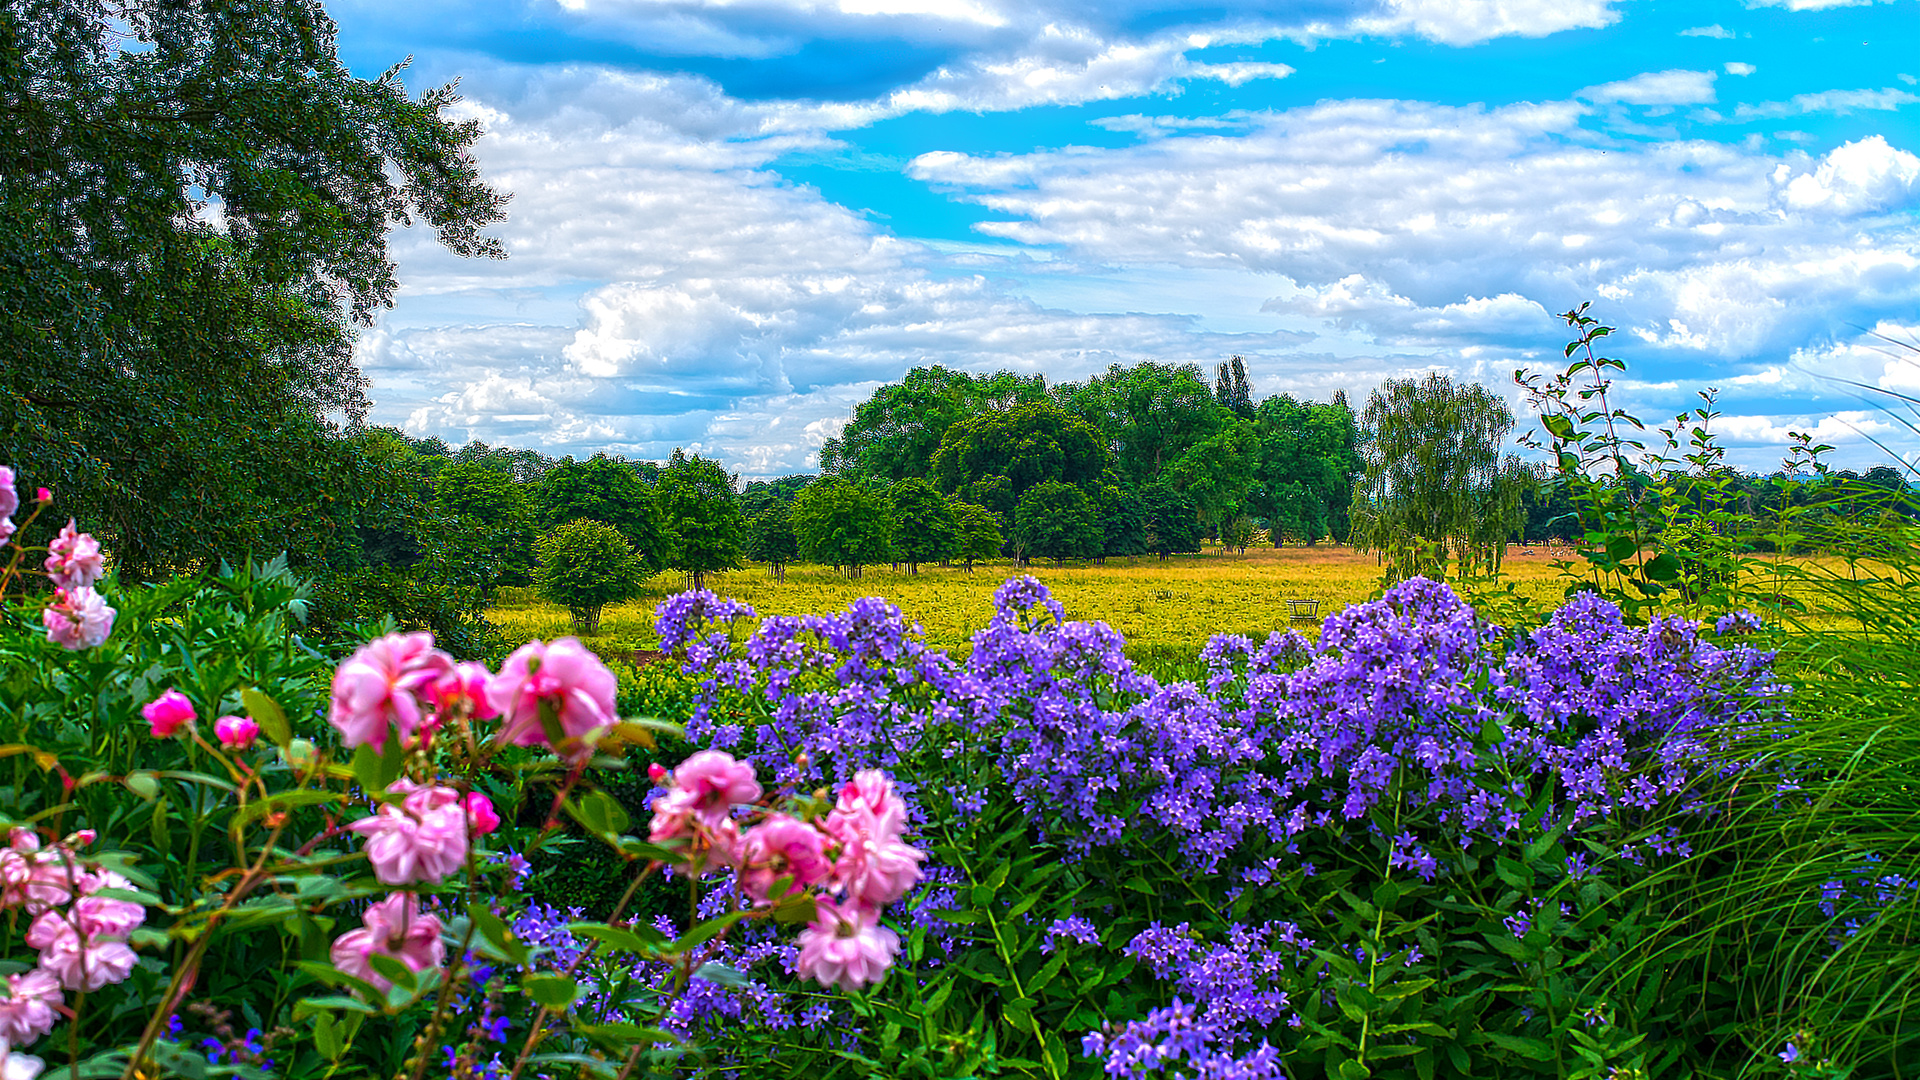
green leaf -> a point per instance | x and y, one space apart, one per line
601 813
306 1007
269 715
143 784
327 1037
1536 1049
400 975
638 938
1354 1070
1141 885
551 989
721 974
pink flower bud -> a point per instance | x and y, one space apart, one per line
44 495
237 732
657 773
480 812
167 713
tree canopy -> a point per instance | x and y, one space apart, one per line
1027 445
843 524
697 500
189 228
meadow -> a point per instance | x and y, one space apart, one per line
1159 606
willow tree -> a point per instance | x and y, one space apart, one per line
1433 487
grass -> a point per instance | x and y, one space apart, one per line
1161 607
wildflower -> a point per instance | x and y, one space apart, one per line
14 1066
392 927
9 502
80 963
236 732
565 681
26 1013
73 558
715 783
480 811
781 847
380 688
78 618
1790 1055
845 946
167 713
424 839
463 685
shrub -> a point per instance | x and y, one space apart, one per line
586 565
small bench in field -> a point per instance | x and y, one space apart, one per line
1303 609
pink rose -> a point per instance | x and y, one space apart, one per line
393 927
27 1012
565 678
424 839
43 495
73 558
872 867
80 964
167 713
78 618
380 687
17 1066
9 502
716 783
781 847
846 946
870 790
480 811
237 732
464 684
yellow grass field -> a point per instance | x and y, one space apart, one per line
1175 604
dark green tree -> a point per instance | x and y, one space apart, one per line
1123 520
1148 414
1027 444
697 499
1305 463
843 524
893 435
1173 525
923 526
489 516
189 229
979 533
1434 486
758 495
605 489
1057 521
771 539
586 565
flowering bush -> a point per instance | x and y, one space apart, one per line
210 818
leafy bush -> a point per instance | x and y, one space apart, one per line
586 565
346 608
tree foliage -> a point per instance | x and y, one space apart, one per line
979 532
771 538
174 364
1434 484
1027 445
697 500
1057 521
604 489
586 565
923 524
843 523
894 434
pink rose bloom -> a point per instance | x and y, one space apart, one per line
870 790
465 683
80 964
424 839
73 558
846 946
873 868
33 879
236 732
672 817
393 927
781 846
18 1066
27 1012
480 811
9 502
564 677
78 618
716 783
380 687
101 915
167 713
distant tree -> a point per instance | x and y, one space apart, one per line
489 516
758 495
696 498
607 490
1231 389
1237 532
843 524
1123 520
923 524
586 565
893 435
1434 486
979 533
771 539
1305 463
1027 444
1173 525
1057 521
993 492
1217 472
1147 415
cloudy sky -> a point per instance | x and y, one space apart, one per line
733 219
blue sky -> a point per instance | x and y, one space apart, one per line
733 219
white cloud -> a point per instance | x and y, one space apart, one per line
1357 303
1840 102
1469 22
1677 87
1713 31
1735 67
1861 176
